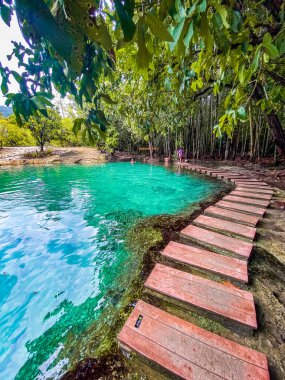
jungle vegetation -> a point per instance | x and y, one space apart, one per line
53 130
205 74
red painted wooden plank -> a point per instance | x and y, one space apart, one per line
228 302
195 168
226 214
208 261
246 194
242 208
249 201
199 169
198 282
213 170
219 174
251 183
204 170
224 346
159 352
217 241
255 189
225 226
249 180
236 175
188 351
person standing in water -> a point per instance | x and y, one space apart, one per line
180 153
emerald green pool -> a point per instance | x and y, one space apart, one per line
64 267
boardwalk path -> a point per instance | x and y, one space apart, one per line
219 242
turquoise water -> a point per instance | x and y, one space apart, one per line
63 267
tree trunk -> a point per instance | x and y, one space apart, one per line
150 150
252 134
227 151
274 123
277 132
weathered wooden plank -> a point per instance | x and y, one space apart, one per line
219 174
225 226
246 194
249 220
255 189
249 201
242 208
218 242
251 183
229 303
207 261
186 350
250 180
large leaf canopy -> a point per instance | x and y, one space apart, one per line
206 45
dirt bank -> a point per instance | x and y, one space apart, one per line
70 155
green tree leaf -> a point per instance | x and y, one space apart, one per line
223 13
236 21
16 76
167 84
4 86
37 13
6 13
255 62
77 123
176 33
107 98
101 117
125 13
143 55
189 35
241 113
270 48
157 27
105 37
203 6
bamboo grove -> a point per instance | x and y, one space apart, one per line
150 114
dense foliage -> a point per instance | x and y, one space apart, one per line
39 131
12 135
169 55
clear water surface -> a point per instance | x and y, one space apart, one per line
62 256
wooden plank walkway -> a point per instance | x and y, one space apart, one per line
242 208
249 201
225 226
249 220
218 242
207 261
186 350
227 302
